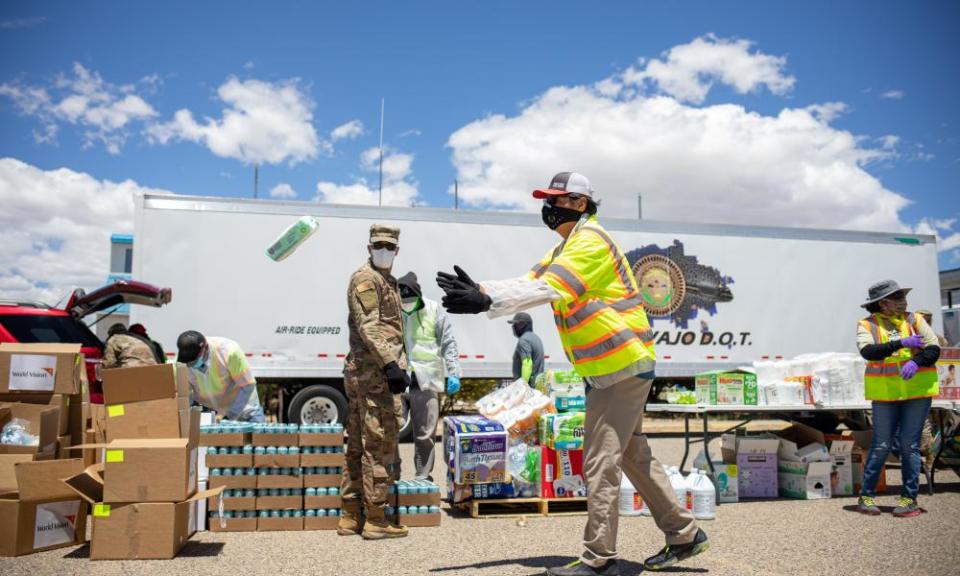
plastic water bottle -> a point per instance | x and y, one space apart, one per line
704 497
630 500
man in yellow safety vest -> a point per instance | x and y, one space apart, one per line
606 336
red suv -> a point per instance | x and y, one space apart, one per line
31 322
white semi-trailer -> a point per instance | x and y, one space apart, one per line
718 296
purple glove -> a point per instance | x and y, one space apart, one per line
914 341
908 370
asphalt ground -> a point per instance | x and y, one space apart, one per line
781 537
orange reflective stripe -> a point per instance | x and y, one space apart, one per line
569 277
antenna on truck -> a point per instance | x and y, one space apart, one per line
382 103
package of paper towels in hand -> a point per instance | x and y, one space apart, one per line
292 238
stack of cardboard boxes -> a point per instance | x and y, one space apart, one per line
46 386
797 462
143 492
277 477
43 390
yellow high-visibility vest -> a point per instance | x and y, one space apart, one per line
882 381
600 316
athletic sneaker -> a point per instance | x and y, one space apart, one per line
578 568
867 505
670 555
907 507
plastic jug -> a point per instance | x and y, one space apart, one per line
679 485
704 496
631 504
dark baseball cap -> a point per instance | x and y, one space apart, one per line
189 346
567 183
521 317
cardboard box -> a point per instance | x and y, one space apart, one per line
279 524
233 482
861 450
78 420
32 368
804 480
800 443
286 481
136 531
63 448
841 452
419 520
321 523
724 478
316 502
416 499
475 449
228 440
338 459
43 421
733 387
143 383
321 439
165 418
757 467
61 401
561 473
281 502
37 511
322 480
149 470
228 460
278 461
232 525
273 439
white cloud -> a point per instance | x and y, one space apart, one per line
103 110
893 95
399 186
263 122
55 229
688 72
943 229
15 23
249 65
350 131
720 163
283 190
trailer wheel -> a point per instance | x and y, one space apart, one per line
318 404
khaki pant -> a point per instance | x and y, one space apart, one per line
614 438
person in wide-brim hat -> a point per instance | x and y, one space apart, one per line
900 380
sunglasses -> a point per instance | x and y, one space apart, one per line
384 246
898 297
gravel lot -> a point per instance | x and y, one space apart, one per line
770 538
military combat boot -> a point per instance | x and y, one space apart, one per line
377 530
351 521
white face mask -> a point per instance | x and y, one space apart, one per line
409 304
383 258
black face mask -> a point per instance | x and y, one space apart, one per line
519 329
554 216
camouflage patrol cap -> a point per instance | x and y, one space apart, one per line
383 233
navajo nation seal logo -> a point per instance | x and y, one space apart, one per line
675 286
662 286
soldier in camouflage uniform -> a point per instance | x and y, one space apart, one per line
374 374
125 349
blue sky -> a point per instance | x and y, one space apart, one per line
466 87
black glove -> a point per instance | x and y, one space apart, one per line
471 301
397 379
461 281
